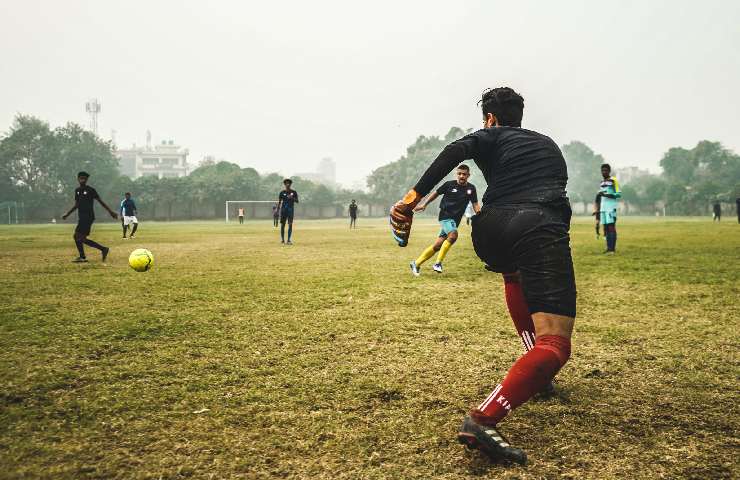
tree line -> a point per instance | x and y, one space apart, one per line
38 167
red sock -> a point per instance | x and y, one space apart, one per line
527 376
519 310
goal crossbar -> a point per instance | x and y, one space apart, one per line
243 201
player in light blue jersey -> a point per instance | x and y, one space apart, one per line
609 195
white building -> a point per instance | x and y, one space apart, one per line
163 161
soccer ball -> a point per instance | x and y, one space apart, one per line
141 260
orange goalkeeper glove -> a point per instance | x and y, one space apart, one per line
402 214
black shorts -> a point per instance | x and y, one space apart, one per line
533 240
286 216
84 225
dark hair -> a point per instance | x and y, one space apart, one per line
288 181
606 165
505 104
462 166
127 193
83 174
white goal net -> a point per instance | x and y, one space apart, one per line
250 208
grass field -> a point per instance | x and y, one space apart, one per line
236 357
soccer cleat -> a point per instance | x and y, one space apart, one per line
131 237
80 260
125 238
415 269
437 267
105 253
289 242
488 440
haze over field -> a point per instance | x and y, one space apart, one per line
279 86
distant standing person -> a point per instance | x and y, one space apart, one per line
128 210
275 214
85 196
608 197
286 202
241 216
737 208
353 214
717 212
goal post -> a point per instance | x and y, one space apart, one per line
236 203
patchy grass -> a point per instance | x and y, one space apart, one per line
236 357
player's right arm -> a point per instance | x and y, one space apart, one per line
401 214
74 207
423 205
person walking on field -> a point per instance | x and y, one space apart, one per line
275 215
85 197
737 208
522 231
717 209
241 216
353 214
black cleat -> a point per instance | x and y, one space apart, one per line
105 251
489 441
80 260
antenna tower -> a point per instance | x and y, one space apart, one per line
93 109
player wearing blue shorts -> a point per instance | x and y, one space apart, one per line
609 195
456 194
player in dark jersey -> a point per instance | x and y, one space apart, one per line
456 194
128 213
286 202
275 214
353 214
522 232
85 197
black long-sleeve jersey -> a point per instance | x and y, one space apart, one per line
520 166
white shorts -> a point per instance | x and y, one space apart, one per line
129 220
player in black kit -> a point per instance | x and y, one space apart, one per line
522 232
85 196
456 194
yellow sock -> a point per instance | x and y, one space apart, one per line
425 255
443 251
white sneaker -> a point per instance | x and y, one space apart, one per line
414 269
437 267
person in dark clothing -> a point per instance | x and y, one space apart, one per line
522 231
128 213
737 208
717 209
85 197
286 204
353 214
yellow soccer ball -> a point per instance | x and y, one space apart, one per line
141 260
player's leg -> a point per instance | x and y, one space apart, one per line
450 229
124 225
518 309
78 237
135 227
426 255
539 244
282 228
290 228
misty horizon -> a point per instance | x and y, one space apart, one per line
279 88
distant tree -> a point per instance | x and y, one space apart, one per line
584 172
390 182
41 165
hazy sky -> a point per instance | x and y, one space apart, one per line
279 85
